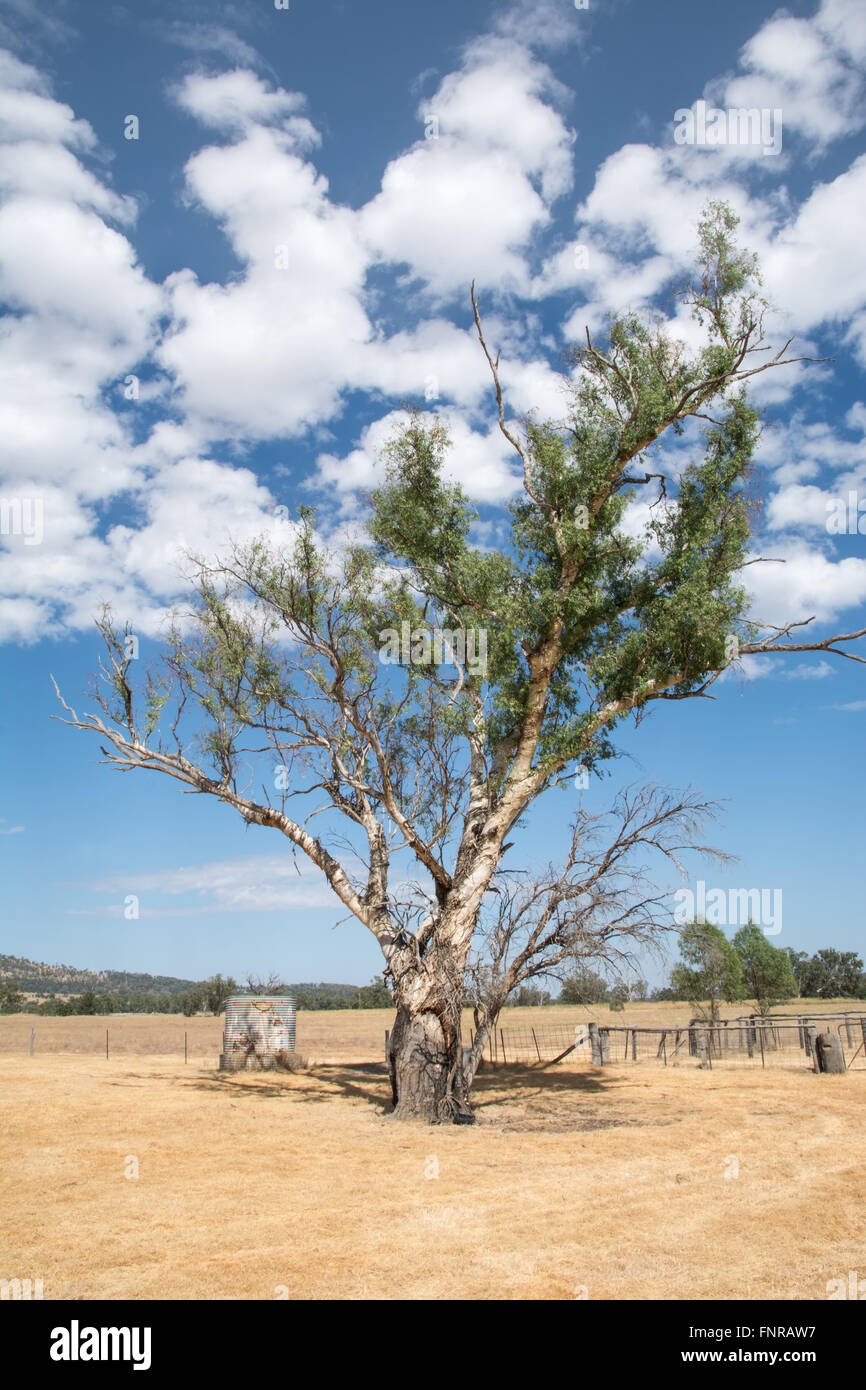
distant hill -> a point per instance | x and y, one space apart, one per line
35 977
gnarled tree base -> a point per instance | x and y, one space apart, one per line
426 1070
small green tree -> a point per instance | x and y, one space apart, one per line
619 997
193 1001
583 987
216 991
11 1001
767 974
529 996
709 970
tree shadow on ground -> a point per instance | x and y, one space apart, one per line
367 1081
516 1097
519 1077
532 1091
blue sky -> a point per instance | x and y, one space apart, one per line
392 154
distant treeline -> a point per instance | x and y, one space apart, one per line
828 974
205 997
375 995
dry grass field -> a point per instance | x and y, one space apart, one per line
616 1183
339 1035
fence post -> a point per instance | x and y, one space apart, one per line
828 1049
595 1044
848 1029
811 1034
604 1043
761 1039
33 1039
702 1047
634 1044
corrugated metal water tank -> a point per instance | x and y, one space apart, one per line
258 1028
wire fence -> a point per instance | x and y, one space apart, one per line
545 1043
113 1042
748 1042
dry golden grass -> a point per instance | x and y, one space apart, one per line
339 1034
328 1035
251 1184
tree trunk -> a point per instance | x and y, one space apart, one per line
429 1080
484 1025
426 1066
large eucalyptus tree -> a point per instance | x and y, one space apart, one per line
550 643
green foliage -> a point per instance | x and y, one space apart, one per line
583 987
375 995
11 999
208 996
709 970
528 996
828 974
618 997
89 1003
665 994
616 620
628 622
325 996
767 974
217 991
